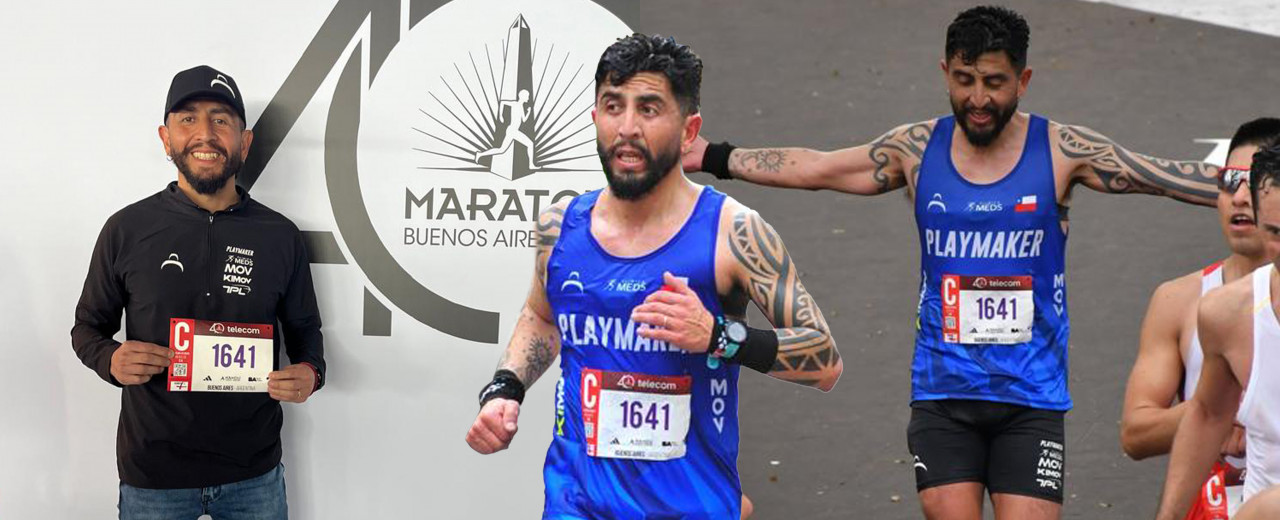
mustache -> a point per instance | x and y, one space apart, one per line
644 151
192 147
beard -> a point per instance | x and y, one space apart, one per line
208 185
635 186
1000 118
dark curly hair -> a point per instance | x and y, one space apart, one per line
988 28
642 53
1264 173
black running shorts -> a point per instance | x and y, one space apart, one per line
1008 448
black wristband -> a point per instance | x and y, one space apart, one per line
759 352
506 385
715 159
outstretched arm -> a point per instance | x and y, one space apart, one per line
1105 166
807 352
883 165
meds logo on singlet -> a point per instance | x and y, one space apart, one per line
439 158
984 207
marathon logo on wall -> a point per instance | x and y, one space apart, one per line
443 148
502 120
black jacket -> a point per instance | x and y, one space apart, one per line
195 439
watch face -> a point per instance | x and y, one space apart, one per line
736 331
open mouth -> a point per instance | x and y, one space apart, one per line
1239 220
206 156
628 156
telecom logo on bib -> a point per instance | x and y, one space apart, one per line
479 119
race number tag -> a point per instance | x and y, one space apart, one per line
219 356
635 416
987 309
1213 502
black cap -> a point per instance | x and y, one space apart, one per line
203 82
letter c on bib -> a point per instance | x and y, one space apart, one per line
1213 491
182 336
590 390
950 288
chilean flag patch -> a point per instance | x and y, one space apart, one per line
1026 204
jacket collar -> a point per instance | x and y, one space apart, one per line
174 197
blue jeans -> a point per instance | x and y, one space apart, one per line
257 498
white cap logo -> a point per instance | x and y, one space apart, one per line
222 80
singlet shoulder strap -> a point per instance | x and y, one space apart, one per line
1262 289
1211 277
937 150
578 210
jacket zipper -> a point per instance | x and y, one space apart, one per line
208 254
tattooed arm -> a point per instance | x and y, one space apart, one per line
870 169
535 343
1103 165
807 352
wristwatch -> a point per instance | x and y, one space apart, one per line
737 333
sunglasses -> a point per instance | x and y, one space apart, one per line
1230 178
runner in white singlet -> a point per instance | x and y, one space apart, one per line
1167 368
1240 338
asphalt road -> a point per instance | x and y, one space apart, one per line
833 73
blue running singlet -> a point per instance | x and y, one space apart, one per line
993 303
643 430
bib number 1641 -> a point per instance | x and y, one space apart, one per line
226 355
998 310
220 356
639 414
629 415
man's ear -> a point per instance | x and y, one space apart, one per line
692 125
163 132
246 139
1024 79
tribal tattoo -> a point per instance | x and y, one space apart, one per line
907 142
548 229
806 350
1113 169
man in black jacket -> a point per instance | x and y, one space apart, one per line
222 279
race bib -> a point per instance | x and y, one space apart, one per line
635 416
987 309
219 356
1213 502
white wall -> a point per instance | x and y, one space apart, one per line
83 92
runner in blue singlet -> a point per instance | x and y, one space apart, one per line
990 186
642 288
